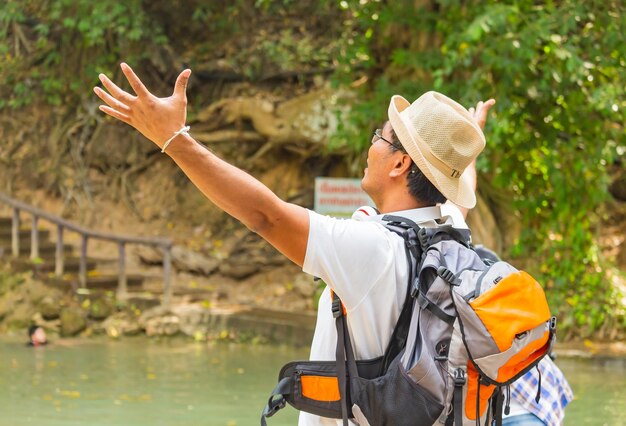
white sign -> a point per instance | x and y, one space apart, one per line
339 196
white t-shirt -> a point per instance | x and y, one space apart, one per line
366 266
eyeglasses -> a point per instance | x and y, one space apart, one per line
379 135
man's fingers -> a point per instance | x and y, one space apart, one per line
488 104
117 93
180 89
115 114
482 110
111 101
134 81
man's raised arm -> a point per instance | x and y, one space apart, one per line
284 225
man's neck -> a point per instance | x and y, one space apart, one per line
401 204
396 197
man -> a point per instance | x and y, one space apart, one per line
415 163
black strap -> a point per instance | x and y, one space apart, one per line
401 221
409 231
507 407
282 389
450 418
425 303
538 385
497 410
457 402
340 356
401 331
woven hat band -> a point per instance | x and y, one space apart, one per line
432 158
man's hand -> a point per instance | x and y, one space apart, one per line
156 118
481 111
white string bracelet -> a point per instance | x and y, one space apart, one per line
183 131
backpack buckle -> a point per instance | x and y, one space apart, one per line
448 276
423 238
553 323
459 377
415 289
274 406
337 308
410 242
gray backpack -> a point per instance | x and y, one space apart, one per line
469 328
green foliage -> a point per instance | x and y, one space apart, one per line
557 70
53 51
9 280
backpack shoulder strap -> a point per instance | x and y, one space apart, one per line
344 356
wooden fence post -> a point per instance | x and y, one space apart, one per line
34 238
167 275
82 268
58 262
15 232
122 283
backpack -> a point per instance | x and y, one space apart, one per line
468 329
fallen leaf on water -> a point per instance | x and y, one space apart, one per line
69 393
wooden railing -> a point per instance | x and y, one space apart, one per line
62 225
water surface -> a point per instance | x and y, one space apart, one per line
139 381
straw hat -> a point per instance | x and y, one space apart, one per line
442 138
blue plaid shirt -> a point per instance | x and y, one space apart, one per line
555 392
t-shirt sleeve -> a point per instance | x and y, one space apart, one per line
350 256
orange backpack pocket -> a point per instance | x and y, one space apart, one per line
320 388
514 306
472 393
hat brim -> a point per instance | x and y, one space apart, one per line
460 190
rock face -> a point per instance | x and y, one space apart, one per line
168 325
160 321
21 297
72 321
121 324
50 308
183 259
101 308
305 285
193 319
239 267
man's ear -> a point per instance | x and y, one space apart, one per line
401 166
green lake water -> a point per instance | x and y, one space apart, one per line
141 382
